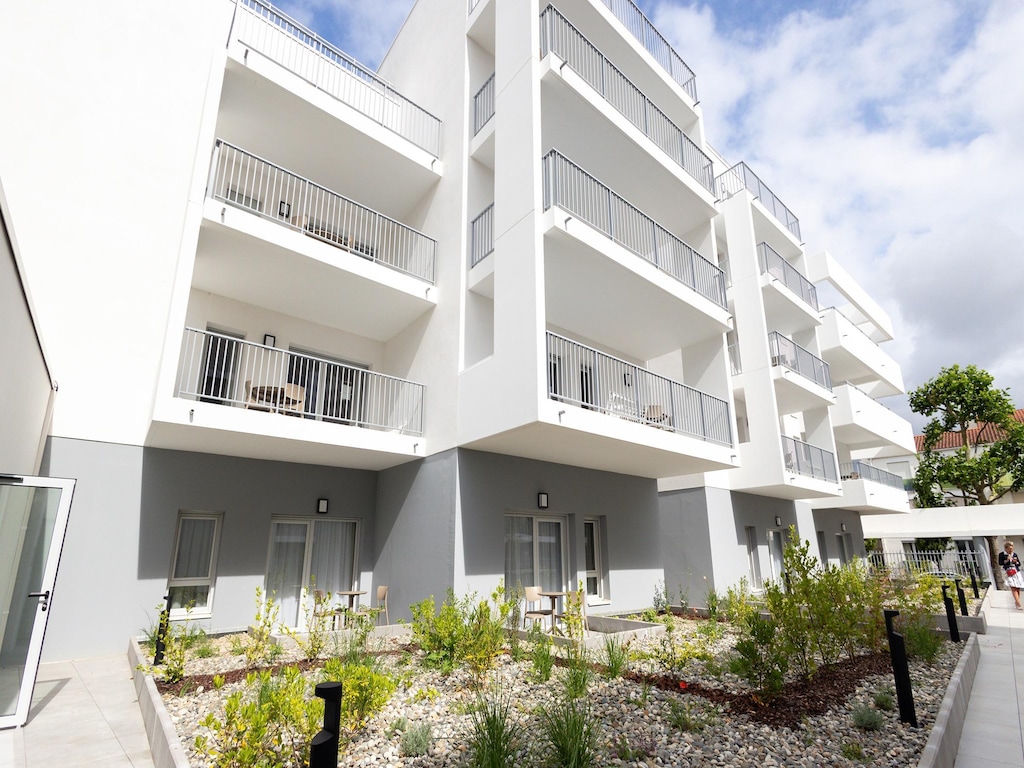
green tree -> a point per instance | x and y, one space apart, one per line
988 461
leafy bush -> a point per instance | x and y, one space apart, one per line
571 733
416 739
497 736
867 719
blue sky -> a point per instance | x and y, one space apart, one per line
893 130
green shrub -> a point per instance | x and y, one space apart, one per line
571 732
416 740
497 737
867 719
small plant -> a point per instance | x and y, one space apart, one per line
867 719
541 657
616 656
884 700
497 736
416 739
852 750
571 732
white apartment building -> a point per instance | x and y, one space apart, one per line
429 327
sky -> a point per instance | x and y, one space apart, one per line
893 130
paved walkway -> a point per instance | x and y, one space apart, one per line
993 734
84 715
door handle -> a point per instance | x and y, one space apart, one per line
45 595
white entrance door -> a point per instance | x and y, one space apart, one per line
33 518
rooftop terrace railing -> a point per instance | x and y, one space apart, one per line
569 187
857 469
222 369
806 459
740 177
643 30
593 380
258 186
483 105
559 36
788 353
481 236
280 38
773 264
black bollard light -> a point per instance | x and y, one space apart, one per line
162 628
323 750
974 586
954 630
962 597
900 671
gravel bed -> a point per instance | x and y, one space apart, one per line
628 713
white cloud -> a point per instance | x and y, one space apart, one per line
892 132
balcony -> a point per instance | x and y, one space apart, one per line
650 38
481 236
805 459
261 27
225 370
560 37
259 187
572 189
592 380
740 177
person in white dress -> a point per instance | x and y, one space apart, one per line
1014 579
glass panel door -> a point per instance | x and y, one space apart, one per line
287 568
33 518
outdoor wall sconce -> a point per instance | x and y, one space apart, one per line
542 501
321 506
842 527
778 520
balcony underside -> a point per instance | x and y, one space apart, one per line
867 498
259 262
596 289
188 425
604 442
265 107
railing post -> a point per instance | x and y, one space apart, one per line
900 671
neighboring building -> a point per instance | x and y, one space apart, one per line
309 325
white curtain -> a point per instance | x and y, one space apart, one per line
195 545
519 551
287 558
332 562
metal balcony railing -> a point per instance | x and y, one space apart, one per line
773 264
593 380
569 187
740 177
481 236
483 105
222 369
806 459
282 39
247 181
861 470
643 30
786 352
560 37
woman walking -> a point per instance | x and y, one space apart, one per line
1010 563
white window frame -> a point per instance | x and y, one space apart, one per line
600 596
210 579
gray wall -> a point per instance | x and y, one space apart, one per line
491 485
118 548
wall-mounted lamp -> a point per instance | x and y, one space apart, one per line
321 506
542 501
842 526
778 520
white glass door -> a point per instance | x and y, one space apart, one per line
33 519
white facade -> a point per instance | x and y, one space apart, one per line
514 267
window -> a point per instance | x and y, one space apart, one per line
305 553
194 564
753 561
592 543
535 553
